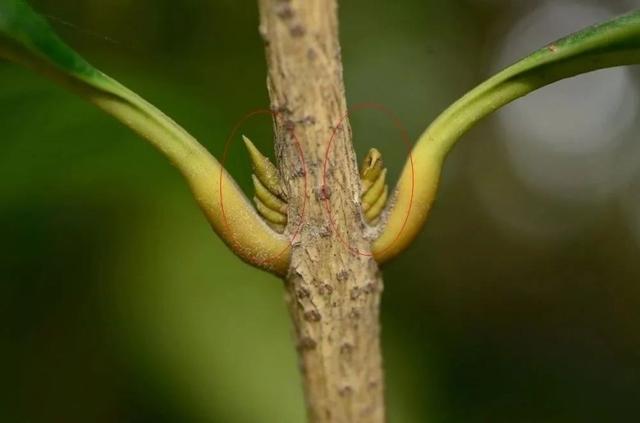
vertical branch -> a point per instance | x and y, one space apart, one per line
333 284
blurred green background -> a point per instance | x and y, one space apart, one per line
520 301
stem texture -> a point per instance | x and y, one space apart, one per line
333 283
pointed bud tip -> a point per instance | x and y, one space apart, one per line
247 141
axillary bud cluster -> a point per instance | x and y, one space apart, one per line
270 197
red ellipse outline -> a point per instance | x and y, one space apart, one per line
405 137
228 142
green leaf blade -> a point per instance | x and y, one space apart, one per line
27 38
612 43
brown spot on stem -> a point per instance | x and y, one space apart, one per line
312 316
354 314
342 275
323 193
345 391
297 31
307 120
303 293
346 348
324 232
325 289
369 288
355 293
307 344
284 11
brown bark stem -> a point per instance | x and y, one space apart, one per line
333 284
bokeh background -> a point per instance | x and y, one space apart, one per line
520 301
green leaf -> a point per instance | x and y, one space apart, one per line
24 32
613 43
26 38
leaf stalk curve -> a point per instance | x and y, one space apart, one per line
613 43
27 39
